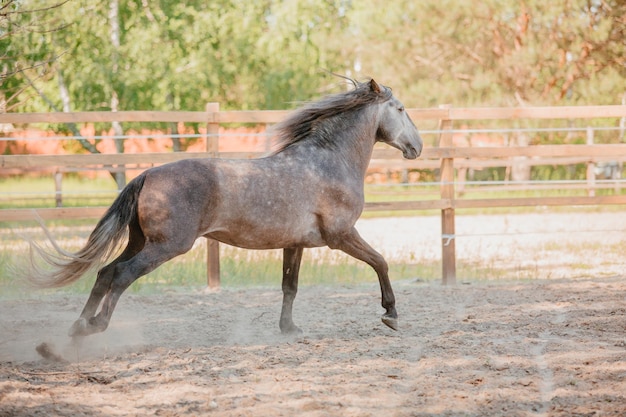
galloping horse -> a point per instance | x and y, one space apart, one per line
309 193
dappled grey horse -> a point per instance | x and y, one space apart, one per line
309 193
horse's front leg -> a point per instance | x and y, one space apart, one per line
291 268
354 245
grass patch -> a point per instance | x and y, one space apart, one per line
239 268
39 192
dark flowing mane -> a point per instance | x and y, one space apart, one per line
310 122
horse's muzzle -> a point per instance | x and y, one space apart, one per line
411 153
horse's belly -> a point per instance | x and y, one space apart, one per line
266 235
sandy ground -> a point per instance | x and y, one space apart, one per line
551 346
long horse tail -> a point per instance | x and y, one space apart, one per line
104 240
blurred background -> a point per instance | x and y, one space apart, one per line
115 55
79 55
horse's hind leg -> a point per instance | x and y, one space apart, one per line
291 269
123 274
136 241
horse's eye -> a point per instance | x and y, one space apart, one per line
400 109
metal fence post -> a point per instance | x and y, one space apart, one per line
212 148
448 237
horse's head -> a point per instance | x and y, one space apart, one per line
395 127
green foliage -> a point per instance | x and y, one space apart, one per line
268 54
25 53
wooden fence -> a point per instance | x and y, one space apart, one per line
443 156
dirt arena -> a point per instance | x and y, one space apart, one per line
540 347
554 348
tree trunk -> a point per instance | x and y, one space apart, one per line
114 21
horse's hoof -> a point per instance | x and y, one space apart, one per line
292 330
391 322
79 328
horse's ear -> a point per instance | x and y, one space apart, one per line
374 86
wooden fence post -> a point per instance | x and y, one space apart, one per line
448 237
58 188
591 167
212 148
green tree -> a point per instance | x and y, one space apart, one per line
171 55
22 47
495 52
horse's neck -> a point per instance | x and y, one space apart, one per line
357 143
352 145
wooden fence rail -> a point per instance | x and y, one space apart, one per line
444 156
